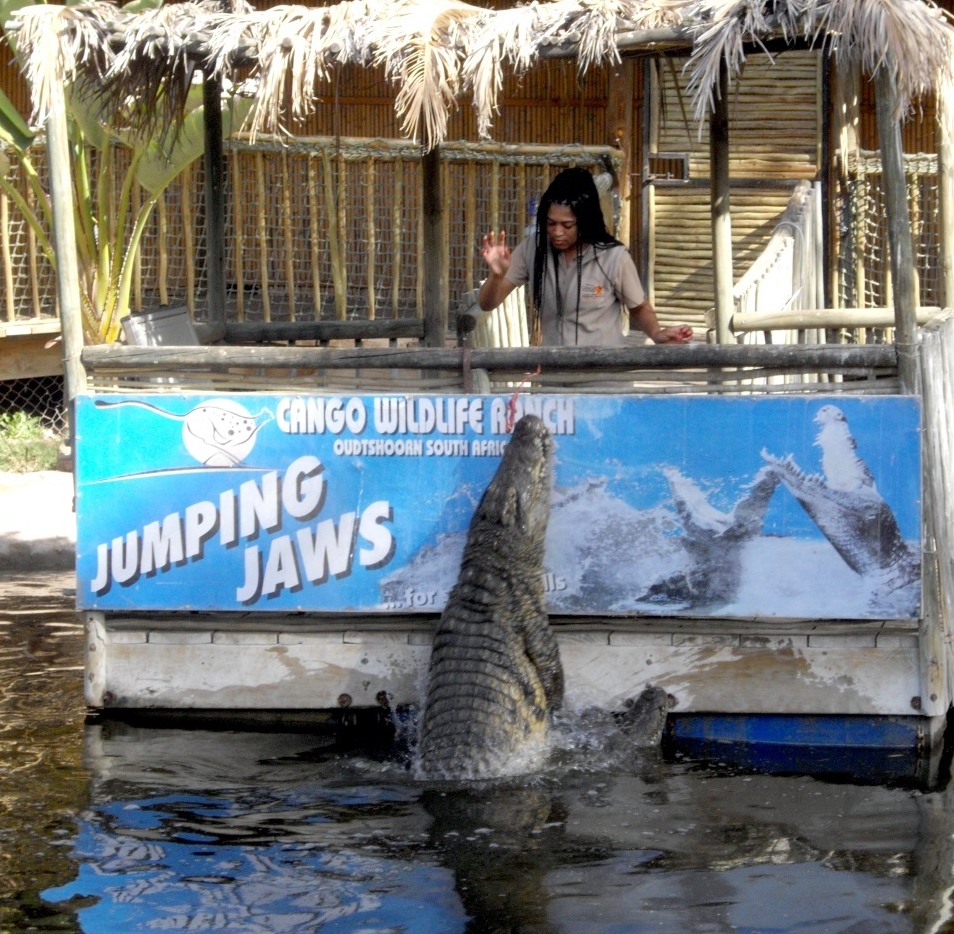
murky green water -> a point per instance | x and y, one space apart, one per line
117 828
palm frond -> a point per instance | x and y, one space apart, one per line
57 45
139 67
422 48
508 37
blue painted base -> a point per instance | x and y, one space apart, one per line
857 748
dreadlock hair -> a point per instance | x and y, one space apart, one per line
576 189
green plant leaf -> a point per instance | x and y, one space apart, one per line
162 162
83 114
13 128
137 6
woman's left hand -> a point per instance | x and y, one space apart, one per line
680 334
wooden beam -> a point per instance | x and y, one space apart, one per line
899 230
29 356
64 243
662 356
721 218
435 315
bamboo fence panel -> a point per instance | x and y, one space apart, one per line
773 118
773 133
682 274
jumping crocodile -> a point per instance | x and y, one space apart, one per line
495 672
846 505
713 539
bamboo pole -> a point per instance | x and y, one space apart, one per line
137 260
7 258
522 199
262 225
899 230
162 237
860 238
338 277
214 164
32 258
470 224
369 200
341 202
826 318
721 219
651 112
445 245
188 239
239 234
945 173
313 209
289 238
397 226
494 196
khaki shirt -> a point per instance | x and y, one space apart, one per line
610 286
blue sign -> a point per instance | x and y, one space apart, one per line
804 506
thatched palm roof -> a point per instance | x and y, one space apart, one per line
140 65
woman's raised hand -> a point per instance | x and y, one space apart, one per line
496 253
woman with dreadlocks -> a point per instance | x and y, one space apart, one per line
579 274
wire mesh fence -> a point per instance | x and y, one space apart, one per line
864 269
39 398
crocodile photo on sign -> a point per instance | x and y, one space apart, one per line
495 673
846 505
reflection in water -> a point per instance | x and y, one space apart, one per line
42 784
116 828
266 832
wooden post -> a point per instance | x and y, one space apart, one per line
945 177
214 201
721 219
619 131
645 235
64 243
435 316
899 230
